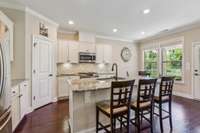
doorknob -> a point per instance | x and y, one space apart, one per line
50 75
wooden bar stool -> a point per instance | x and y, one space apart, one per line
143 106
165 96
118 105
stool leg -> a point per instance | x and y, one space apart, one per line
128 122
151 118
97 120
138 120
160 115
170 114
121 123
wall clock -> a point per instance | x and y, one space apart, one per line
126 54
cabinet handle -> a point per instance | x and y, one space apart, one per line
13 92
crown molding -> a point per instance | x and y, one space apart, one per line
114 38
176 30
67 32
29 10
21 7
12 5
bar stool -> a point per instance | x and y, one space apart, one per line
144 104
117 106
165 96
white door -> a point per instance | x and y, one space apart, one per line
42 72
196 71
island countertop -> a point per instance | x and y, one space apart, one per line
91 84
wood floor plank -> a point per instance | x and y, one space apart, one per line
53 118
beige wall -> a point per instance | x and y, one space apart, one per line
131 66
190 36
32 29
25 26
18 65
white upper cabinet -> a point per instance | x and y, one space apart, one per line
103 54
73 52
107 53
99 53
87 47
62 51
68 51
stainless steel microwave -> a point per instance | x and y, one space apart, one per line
85 57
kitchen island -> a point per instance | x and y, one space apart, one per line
84 94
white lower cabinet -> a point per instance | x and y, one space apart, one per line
24 99
20 103
63 86
15 107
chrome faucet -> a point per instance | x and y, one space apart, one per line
116 70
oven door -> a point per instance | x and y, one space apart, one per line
6 122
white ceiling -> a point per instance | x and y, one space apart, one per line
101 16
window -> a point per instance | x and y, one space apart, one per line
172 61
166 59
151 62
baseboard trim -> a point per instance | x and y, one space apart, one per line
29 110
55 99
181 94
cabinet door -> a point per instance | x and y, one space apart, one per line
24 98
87 47
62 52
99 53
107 53
73 52
62 87
15 107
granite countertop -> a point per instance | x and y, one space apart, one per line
70 74
15 82
78 74
91 84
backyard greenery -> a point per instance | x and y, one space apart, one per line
171 62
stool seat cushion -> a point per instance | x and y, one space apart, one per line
106 108
164 98
141 105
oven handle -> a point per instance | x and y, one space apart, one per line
6 115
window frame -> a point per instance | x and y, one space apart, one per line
158 54
179 41
182 61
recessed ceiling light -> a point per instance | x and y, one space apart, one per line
70 22
146 11
115 30
143 33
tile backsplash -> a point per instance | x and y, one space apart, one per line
68 68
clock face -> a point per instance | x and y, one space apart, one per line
126 54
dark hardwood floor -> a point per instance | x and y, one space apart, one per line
53 118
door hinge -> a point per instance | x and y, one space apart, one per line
34 44
34 71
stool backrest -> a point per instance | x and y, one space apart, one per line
146 89
121 93
166 86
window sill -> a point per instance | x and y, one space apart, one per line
179 82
